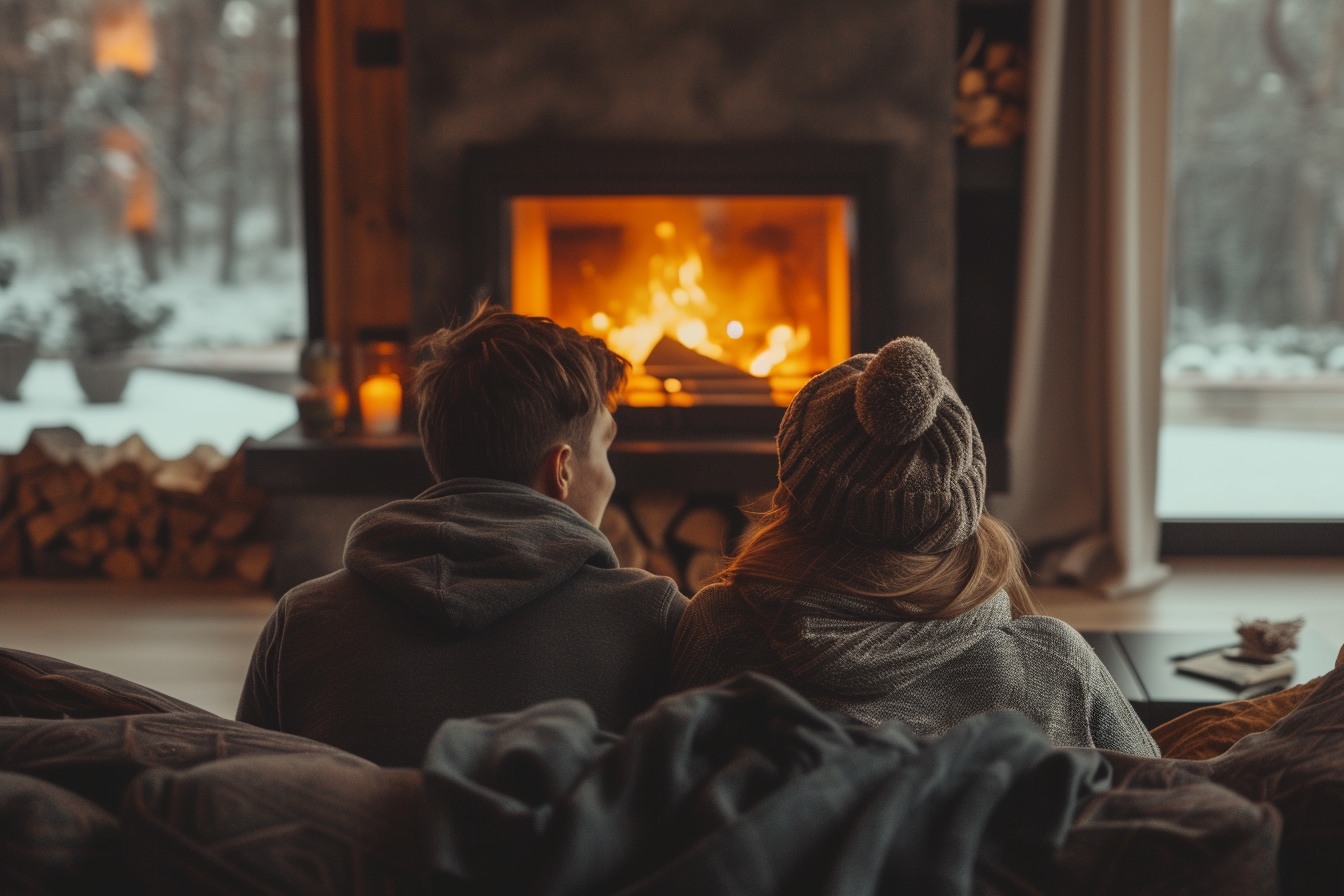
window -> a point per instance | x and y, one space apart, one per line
149 219
1253 408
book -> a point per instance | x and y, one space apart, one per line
1228 667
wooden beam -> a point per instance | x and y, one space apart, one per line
359 79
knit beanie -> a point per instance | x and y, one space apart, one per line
880 448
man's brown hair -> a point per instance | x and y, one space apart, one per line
496 392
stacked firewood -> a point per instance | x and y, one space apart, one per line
687 538
991 92
69 508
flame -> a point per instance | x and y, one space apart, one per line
746 281
123 37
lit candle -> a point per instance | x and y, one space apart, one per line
380 404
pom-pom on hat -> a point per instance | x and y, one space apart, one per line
880 448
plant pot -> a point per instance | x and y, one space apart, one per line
15 357
103 379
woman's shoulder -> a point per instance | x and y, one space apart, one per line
715 606
1053 637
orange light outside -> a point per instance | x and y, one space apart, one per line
123 37
756 287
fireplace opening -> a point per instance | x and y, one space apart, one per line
715 300
728 273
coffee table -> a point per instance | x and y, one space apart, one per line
1141 664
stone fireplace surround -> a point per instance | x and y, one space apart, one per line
783 73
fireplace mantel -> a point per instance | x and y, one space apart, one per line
290 464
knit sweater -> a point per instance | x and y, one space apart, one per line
859 657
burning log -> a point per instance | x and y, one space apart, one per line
68 508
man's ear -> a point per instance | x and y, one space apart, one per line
556 477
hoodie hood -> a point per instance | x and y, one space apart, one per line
470 551
852 649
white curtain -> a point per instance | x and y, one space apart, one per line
1085 399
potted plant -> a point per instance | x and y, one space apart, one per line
106 321
20 336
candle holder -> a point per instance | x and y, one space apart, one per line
382 370
323 403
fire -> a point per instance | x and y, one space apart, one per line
756 286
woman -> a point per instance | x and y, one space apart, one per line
878 587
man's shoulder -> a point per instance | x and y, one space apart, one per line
627 584
321 595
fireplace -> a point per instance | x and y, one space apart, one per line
727 273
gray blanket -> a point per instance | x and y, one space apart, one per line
742 788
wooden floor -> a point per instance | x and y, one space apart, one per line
194 641
190 640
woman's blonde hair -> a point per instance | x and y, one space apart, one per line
922 586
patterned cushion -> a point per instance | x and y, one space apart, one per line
310 824
52 841
42 687
96 758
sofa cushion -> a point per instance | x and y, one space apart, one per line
1160 829
42 687
97 757
311 824
1211 730
54 842
1297 765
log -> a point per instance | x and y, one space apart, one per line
11 545
175 564
184 475
103 494
28 499
134 450
151 556
204 559
67 507
149 524
233 523
630 551
43 527
119 530
122 564
704 528
54 444
654 512
185 522
128 504
253 563
209 458
90 539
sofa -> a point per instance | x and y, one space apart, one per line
109 787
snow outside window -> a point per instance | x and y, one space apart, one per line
1253 407
149 220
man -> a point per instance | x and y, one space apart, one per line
493 590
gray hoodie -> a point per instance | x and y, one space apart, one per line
860 657
477 597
